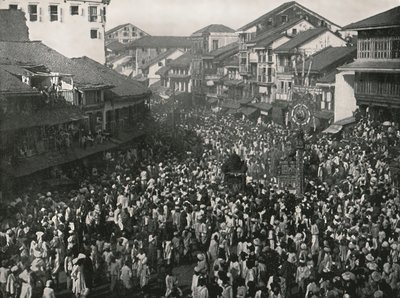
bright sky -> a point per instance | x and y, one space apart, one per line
183 17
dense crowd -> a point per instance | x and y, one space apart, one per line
150 210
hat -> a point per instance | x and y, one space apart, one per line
81 256
14 268
39 234
200 257
378 294
369 258
48 283
347 275
385 244
376 276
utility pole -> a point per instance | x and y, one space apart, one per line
300 162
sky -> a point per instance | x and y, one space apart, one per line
183 17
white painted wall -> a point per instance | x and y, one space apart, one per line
345 101
324 40
301 26
223 39
70 34
152 76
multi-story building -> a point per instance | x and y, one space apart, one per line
177 75
212 37
372 81
295 51
73 28
56 110
149 47
124 33
287 20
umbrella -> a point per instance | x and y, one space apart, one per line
387 123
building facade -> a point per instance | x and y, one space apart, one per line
213 37
73 28
377 67
124 33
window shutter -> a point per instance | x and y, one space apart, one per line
49 13
88 14
83 12
40 14
99 34
61 14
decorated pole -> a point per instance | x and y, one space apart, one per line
300 162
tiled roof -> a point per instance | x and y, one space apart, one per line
36 53
13 25
330 58
161 42
223 52
158 58
300 39
163 71
329 78
214 28
267 41
278 9
183 61
389 18
373 66
122 26
10 84
115 46
124 87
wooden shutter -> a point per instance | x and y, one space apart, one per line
101 15
99 35
49 13
40 14
82 12
60 14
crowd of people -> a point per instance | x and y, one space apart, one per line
150 210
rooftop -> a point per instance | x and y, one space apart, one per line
214 28
386 19
161 42
13 25
279 9
121 26
33 53
10 84
183 61
158 58
373 66
223 52
115 46
330 57
124 87
300 39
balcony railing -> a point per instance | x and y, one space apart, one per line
379 48
371 87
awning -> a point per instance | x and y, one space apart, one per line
248 111
231 111
210 83
333 129
263 106
346 121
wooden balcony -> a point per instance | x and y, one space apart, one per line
387 47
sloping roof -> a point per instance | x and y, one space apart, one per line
158 58
36 53
214 28
329 78
162 71
115 46
373 66
270 39
389 18
223 52
13 25
231 61
10 84
278 9
300 39
330 57
124 87
161 42
264 106
182 61
122 26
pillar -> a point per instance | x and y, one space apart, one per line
300 163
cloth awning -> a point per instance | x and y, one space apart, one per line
231 111
333 129
346 121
